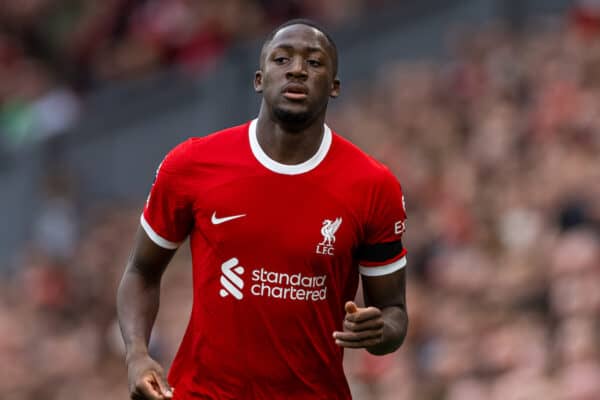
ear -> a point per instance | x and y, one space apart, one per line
335 88
258 81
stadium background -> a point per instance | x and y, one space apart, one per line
487 110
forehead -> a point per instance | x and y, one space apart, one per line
300 36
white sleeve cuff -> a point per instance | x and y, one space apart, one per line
383 269
155 237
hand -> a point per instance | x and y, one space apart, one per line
147 380
363 327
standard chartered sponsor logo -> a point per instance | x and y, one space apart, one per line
230 280
288 286
278 285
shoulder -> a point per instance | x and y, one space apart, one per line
363 167
198 149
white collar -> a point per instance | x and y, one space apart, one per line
287 169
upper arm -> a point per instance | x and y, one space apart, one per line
148 258
167 217
385 290
382 256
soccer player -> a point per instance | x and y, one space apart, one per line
282 215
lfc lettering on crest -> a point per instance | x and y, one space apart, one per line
325 250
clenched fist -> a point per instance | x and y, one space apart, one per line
147 380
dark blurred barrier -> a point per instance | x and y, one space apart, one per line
127 129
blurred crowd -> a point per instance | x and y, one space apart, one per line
498 152
52 52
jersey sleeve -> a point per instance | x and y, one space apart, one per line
168 217
382 251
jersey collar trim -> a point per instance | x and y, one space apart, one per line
286 169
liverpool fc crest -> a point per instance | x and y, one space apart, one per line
328 231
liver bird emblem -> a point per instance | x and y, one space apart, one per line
328 231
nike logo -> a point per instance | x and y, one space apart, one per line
217 221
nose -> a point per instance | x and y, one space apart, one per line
297 68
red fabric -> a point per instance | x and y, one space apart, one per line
276 341
586 21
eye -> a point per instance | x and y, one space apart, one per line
314 63
280 60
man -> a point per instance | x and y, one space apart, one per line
282 216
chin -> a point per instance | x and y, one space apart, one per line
292 117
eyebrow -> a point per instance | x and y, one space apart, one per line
291 47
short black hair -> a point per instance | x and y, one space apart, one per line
307 22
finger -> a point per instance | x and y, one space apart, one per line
148 388
163 385
358 345
371 324
358 336
146 394
364 314
350 307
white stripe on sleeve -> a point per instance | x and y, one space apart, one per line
383 269
155 237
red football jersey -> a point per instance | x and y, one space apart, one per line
277 250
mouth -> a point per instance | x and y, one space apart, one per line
295 91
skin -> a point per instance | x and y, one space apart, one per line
298 55
137 305
289 129
381 327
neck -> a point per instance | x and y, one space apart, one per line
289 144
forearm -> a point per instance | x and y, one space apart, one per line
137 306
395 326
